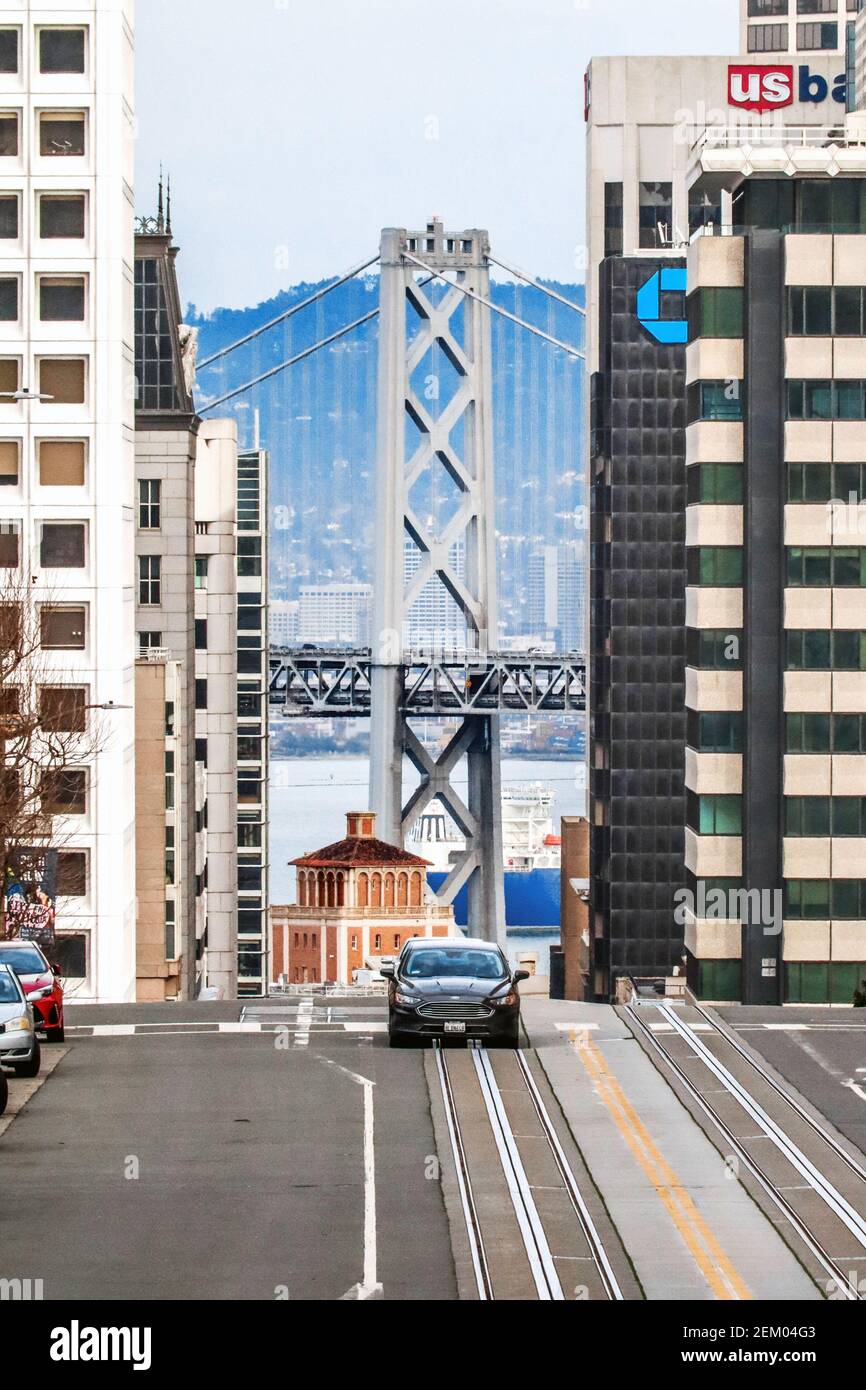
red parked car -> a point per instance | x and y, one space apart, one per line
41 983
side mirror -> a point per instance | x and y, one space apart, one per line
521 975
387 972
55 970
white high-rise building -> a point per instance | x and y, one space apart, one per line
67 427
283 618
331 614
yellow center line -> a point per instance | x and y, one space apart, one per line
708 1255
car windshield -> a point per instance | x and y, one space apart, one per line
9 991
24 960
454 963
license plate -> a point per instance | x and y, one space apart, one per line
455 1027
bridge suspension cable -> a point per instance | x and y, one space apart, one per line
537 284
496 309
295 309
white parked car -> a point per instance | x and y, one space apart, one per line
19 1046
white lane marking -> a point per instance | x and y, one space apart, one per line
363 1027
305 1018
786 1027
853 1086
584 1027
370 1287
113 1030
240 1028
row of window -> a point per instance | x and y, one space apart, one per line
826 567
823 899
823 311
805 400
57 50
758 9
59 462
811 38
60 134
717 649
60 380
61 792
62 709
801 205
62 545
825 815
827 982
59 216
826 482
60 298
825 733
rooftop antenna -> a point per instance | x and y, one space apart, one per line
168 207
160 210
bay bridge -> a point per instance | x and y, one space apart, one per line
434 294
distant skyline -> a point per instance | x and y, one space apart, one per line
293 131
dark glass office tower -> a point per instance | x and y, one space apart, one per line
637 621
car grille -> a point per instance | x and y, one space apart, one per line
455 1013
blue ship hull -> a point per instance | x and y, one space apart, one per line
531 900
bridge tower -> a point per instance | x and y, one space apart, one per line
457 437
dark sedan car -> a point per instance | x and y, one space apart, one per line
453 988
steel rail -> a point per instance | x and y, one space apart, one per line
480 1266
812 1242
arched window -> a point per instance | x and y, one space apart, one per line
302 889
321 891
415 897
403 890
332 891
376 894
341 890
363 890
389 890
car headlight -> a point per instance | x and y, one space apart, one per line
18 1025
42 993
503 1000
402 998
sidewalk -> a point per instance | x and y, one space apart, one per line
691 1230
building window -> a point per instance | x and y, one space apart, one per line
201 751
63 792
825 651
249 557
768 38
715 815
201 571
9 141
720 566
169 856
8 216
72 874
818 6
201 693
63 628
825 567
63 546
61 216
149 641
62 298
714 400
819 311
149 504
655 214
10 545
61 50
201 634
825 816
812 37
169 780
61 134
8 298
10 460
716 312
170 929
715 482
9 44
63 709
61 462
715 650
63 380
150 580
613 219
759 9
716 732
10 376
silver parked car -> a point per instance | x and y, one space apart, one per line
19 1046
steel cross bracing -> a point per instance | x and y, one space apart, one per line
332 683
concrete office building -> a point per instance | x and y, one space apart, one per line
770 27
187 633
283 620
648 120
335 614
860 62
66 457
557 595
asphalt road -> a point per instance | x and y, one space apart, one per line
820 1051
224 1166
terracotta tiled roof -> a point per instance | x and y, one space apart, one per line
356 852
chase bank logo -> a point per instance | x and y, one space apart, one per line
672 280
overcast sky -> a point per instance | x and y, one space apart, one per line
295 129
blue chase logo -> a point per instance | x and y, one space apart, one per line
649 306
